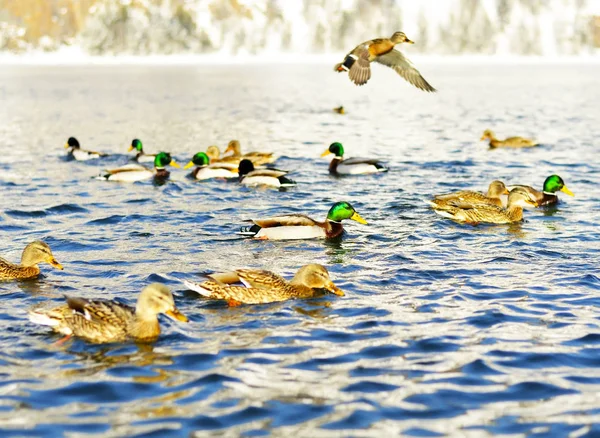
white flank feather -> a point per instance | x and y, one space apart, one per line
196 287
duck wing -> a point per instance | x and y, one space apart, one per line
360 71
398 62
288 220
359 160
127 168
273 173
260 279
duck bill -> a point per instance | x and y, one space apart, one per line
188 165
130 149
530 202
67 146
356 217
327 152
53 262
174 164
409 41
176 315
567 191
334 289
506 192
483 137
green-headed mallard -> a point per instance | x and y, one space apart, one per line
339 110
547 196
141 156
490 214
34 253
510 142
261 287
257 158
137 172
205 170
468 198
105 321
351 166
358 62
299 226
75 151
249 176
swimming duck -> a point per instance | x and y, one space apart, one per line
547 196
260 287
141 156
104 321
510 142
358 62
257 158
351 166
137 172
214 154
491 214
299 226
468 198
249 176
339 110
207 171
75 151
34 253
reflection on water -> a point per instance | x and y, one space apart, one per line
444 329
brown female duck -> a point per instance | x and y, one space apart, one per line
381 50
468 198
261 287
104 321
257 158
510 142
34 253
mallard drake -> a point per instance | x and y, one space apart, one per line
257 158
249 176
490 214
351 166
141 156
208 171
510 142
468 198
299 226
339 110
34 253
104 321
547 196
137 172
75 151
358 62
260 287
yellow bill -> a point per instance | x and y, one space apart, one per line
53 262
130 148
567 191
506 191
188 165
324 154
356 217
334 289
176 315
67 146
174 164
409 41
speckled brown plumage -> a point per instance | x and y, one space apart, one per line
34 253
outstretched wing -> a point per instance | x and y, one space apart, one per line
397 61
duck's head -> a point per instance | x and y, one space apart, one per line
39 252
343 210
487 134
400 37
340 110
213 152
496 189
234 147
245 167
136 144
200 160
334 148
521 198
157 298
163 159
72 143
555 183
316 277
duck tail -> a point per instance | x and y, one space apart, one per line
286 182
197 287
42 317
250 230
381 167
349 61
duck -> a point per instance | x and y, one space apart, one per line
75 151
34 253
381 50
468 198
205 170
250 176
351 166
257 158
490 214
137 172
261 287
214 154
547 196
141 156
299 226
104 321
510 142
339 110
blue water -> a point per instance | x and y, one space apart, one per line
445 329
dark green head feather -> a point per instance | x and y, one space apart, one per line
337 149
